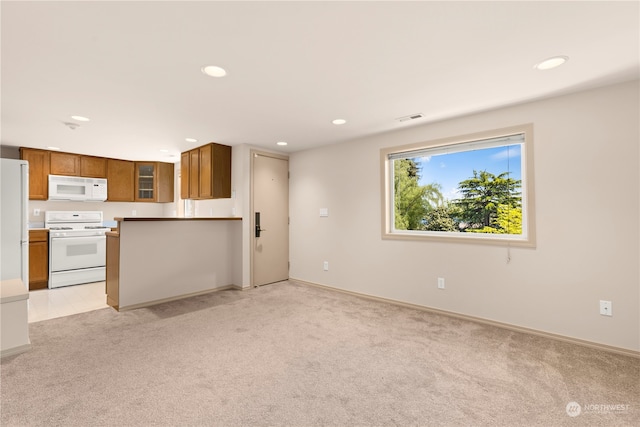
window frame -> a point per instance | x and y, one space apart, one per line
526 239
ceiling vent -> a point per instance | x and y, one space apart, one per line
410 117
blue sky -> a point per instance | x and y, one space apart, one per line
451 168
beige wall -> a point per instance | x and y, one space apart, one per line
587 194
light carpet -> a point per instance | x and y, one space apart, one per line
295 355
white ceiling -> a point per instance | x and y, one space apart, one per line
134 68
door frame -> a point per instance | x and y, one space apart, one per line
252 218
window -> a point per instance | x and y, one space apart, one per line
474 188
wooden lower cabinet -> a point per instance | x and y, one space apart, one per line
113 270
38 259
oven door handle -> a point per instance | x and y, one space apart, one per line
72 239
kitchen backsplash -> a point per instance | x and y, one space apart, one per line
110 210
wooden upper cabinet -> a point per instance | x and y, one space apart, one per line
207 172
93 167
38 172
153 182
184 175
65 163
217 173
145 182
127 181
194 174
120 179
166 182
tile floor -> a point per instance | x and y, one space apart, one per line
50 303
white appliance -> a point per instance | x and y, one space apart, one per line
77 189
14 217
77 247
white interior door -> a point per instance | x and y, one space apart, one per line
270 219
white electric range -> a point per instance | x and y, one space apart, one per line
77 247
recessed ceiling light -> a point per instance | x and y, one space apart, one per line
339 121
80 118
191 140
281 143
213 71
164 150
54 148
550 63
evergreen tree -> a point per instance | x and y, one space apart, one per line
440 219
483 194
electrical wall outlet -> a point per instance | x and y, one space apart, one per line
36 212
605 308
133 212
325 266
440 282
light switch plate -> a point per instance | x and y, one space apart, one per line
324 212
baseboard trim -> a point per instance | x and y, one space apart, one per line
15 350
176 298
557 337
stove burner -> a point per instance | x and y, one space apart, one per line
60 228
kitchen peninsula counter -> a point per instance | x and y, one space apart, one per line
173 218
158 259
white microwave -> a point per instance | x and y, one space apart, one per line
77 189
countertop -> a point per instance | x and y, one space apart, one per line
140 218
13 290
40 225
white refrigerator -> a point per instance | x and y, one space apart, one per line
14 217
